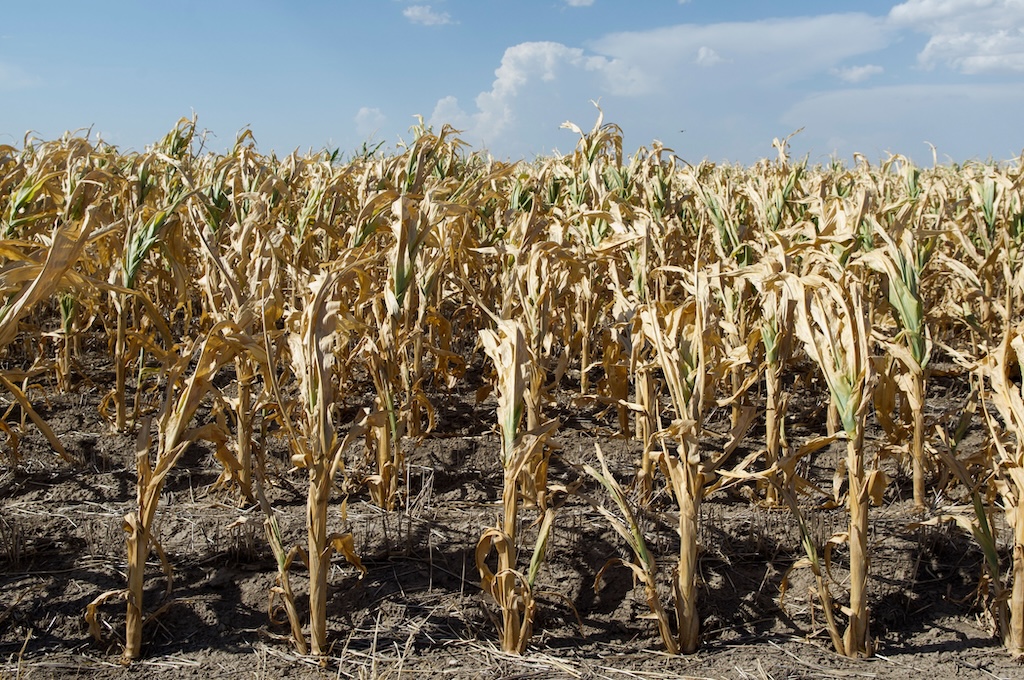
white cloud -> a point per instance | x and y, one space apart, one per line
424 14
917 12
657 82
447 110
369 121
970 36
857 74
532 78
579 3
707 56
973 53
769 52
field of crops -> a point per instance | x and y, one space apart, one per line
589 416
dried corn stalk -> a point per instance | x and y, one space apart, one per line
315 444
831 322
29 281
520 450
903 264
644 565
1007 396
684 342
217 348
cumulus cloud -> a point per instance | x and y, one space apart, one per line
857 74
533 76
972 54
425 15
447 110
707 56
970 36
917 12
714 80
579 3
771 52
369 121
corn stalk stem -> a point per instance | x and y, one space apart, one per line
64 362
245 374
788 495
588 323
687 616
832 424
646 397
772 430
388 435
510 507
120 351
1014 642
856 639
533 397
738 372
516 606
273 533
414 428
138 550
736 377
389 454
917 388
318 556
139 527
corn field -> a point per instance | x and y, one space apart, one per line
644 342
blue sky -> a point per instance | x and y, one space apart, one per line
716 79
